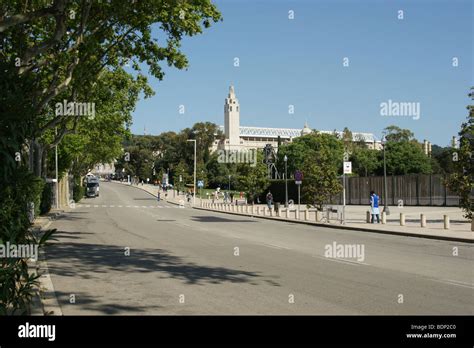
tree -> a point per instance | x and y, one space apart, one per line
405 158
319 156
462 180
253 180
396 134
56 51
365 161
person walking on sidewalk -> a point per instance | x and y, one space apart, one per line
374 207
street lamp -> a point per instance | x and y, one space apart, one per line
285 159
385 201
194 186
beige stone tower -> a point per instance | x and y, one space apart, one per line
232 120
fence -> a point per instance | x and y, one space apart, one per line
412 189
418 189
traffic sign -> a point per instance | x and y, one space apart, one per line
200 183
347 167
298 177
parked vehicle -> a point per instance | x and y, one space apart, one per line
92 186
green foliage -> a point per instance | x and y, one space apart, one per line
396 134
365 161
78 190
405 157
16 284
319 157
253 180
462 180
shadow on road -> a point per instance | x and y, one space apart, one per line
82 260
94 303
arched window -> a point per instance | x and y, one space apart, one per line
237 108
231 108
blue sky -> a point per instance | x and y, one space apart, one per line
300 62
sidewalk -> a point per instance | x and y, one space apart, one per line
460 228
44 301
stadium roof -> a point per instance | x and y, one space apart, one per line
286 133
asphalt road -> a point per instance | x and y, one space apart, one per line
183 261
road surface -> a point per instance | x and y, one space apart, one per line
125 253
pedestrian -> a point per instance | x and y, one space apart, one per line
158 195
374 207
269 200
231 197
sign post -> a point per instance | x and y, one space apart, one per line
299 181
200 185
347 170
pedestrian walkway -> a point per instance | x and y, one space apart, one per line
459 229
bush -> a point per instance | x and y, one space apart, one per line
78 190
16 283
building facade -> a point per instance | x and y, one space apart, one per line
239 137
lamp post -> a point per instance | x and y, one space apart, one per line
285 159
194 185
385 200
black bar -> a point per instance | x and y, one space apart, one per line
224 330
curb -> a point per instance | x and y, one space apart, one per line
44 300
165 199
350 228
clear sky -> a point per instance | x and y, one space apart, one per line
300 62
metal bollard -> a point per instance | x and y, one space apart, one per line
423 220
317 216
384 218
306 214
278 212
296 214
446 222
287 213
367 217
402 219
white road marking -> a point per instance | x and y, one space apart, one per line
120 206
88 206
276 246
104 206
347 262
455 282
112 206
96 206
